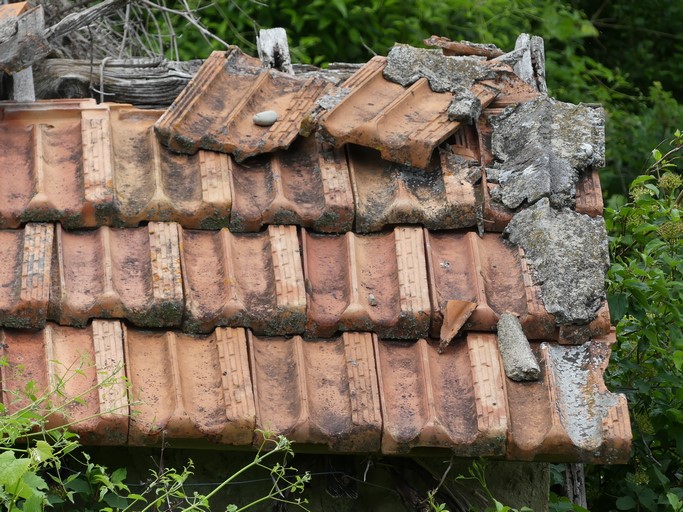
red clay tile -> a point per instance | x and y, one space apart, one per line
87 365
318 391
205 116
483 270
57 164
307 185
153 183
442 197
589 195
26 256
454 400
129 273
189 387
406 124
372 283
247 280
569 414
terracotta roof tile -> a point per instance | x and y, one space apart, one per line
56 160
455 399
372 282
442 197
153 183
203 116
119 273
26 256
307 186
87 364
405 123
318 392
252 280
557 417
190 387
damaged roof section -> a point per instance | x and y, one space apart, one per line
204 116
277 252
569 256
541 147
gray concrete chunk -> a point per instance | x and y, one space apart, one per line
541 147
569 256
518 359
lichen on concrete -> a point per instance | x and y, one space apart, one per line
541 147
518 359
569 256
581 403
455 74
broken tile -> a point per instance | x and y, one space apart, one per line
374 283
589 194
249 280
188 387
216 109
154 184
406 124
569 413
307 185
81 371
482 270
26 256
129 273
442 197
454 400
56 162
318 391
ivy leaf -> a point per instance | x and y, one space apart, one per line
626 503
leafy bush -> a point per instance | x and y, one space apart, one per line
645 293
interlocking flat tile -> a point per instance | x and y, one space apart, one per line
569 413
249 280
483 270
216 108
129 273
87 365
56 163
153 183
454 400
189 387
26 260
406 124
444 196
307 185
374 283
318 391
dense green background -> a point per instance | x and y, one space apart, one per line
626 55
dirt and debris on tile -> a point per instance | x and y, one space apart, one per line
411 261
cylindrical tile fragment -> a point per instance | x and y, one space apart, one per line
518 360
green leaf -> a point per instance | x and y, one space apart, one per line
12 469
677 357
626 503
42 451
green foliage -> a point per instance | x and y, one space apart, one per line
645 293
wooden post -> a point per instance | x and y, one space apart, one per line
575 484
273 49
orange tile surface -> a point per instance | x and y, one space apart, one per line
342 289
204 116
372 282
